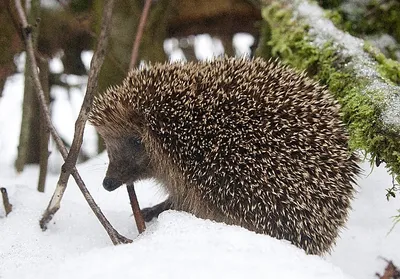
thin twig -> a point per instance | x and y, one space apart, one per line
95 66
6 201
116 238
139 34
141 226
135 54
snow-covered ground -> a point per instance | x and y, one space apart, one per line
176 245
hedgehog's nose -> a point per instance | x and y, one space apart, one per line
110 184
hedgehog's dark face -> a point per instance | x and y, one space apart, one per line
128 162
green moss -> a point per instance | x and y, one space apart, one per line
335 16
370 20
288 40
388 68
374 17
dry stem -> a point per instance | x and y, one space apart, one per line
139 34
44 132
69 167
141 226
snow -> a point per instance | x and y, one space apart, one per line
243 43
177 244
383 42
323 31
207 47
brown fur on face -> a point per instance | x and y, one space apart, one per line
245 142
128 161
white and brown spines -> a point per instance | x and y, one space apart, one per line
253 141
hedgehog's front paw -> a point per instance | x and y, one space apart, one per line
149 213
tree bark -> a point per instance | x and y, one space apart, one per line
10 43
28 149
27 115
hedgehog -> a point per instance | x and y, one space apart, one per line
246 142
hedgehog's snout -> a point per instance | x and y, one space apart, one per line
110 184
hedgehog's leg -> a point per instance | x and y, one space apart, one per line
149 213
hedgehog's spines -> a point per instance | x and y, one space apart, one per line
244 141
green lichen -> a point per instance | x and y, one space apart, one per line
290 41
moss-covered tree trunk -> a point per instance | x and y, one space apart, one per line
359 76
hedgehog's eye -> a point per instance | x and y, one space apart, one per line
134 141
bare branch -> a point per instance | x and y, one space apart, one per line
6 201
95 66
139 34
44 132
54 205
